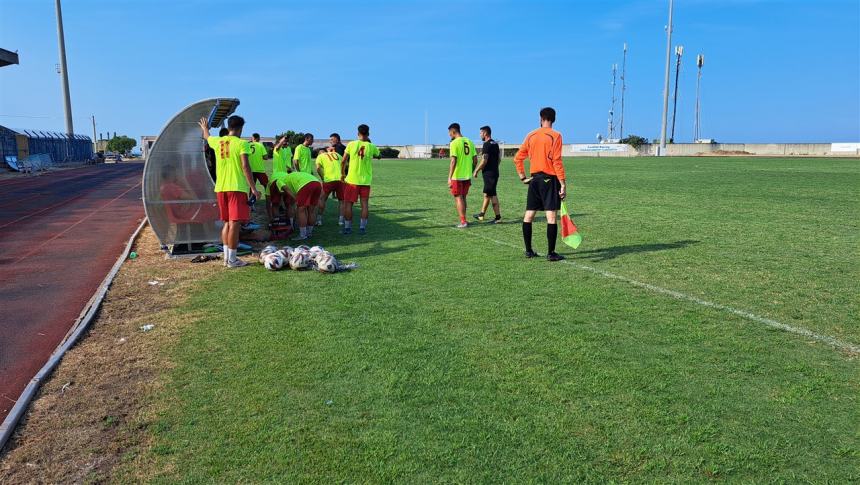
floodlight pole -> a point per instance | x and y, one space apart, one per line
623 89
679 51
610 132
426 129
662 148
67 102
95 143
697 128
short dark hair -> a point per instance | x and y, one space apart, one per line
363 130
487 129
548 114
235 122
455 127
309 136
335 135
256 136
223 132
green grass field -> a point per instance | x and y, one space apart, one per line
448 357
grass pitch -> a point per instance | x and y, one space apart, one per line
447 357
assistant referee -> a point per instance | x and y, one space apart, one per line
547 187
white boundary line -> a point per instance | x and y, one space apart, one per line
825 339
81 324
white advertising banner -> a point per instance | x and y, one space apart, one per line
601 148
844 147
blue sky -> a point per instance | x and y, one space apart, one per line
776 70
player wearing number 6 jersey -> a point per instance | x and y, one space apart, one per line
357 177
463 160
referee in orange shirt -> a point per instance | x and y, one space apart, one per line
547 187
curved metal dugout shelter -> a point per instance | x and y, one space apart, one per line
178 191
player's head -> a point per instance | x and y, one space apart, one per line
486 133
547 115
334 138
235 124
255 137
330 149
309 139
454 130
363 131
223 132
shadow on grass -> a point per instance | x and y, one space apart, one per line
605 254
378 250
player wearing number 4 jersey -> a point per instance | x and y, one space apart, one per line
357 177
235 179
463 160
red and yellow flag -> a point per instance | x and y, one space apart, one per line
569 233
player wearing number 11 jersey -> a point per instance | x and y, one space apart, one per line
463 160
357 177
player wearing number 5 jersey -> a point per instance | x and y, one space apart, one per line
357 177
463 160
235 179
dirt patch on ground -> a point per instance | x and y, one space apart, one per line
92 413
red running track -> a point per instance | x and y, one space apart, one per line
60 234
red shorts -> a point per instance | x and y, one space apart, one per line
309 195
233 206
351 193
336 187
460 187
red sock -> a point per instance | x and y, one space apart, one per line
462 220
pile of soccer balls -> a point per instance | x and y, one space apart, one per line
302 258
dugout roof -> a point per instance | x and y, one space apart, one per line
178 192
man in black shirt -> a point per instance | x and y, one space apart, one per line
489 165
339 147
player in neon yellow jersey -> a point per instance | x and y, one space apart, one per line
235 179
305 189
282 157
329 169
303 156
463 160
258 167
282 161
358 175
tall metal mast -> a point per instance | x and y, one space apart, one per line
623 89
669 27
679 51
610 134
697 127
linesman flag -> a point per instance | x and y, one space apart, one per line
569 234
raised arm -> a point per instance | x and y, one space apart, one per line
204 127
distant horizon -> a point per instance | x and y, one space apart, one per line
776 71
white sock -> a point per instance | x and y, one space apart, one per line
226 255
231 254
340 219
347 224
310 231
363 223
303 231
291 222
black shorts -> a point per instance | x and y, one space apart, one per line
543 193
490 181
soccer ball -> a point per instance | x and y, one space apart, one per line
285 255
299 260
267 250
326 262
316 251
273 261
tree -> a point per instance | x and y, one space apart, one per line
634 140
121 144
388 152
293 139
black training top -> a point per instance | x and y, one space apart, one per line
340 148
491 150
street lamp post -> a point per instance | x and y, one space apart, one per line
662 149
697 128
